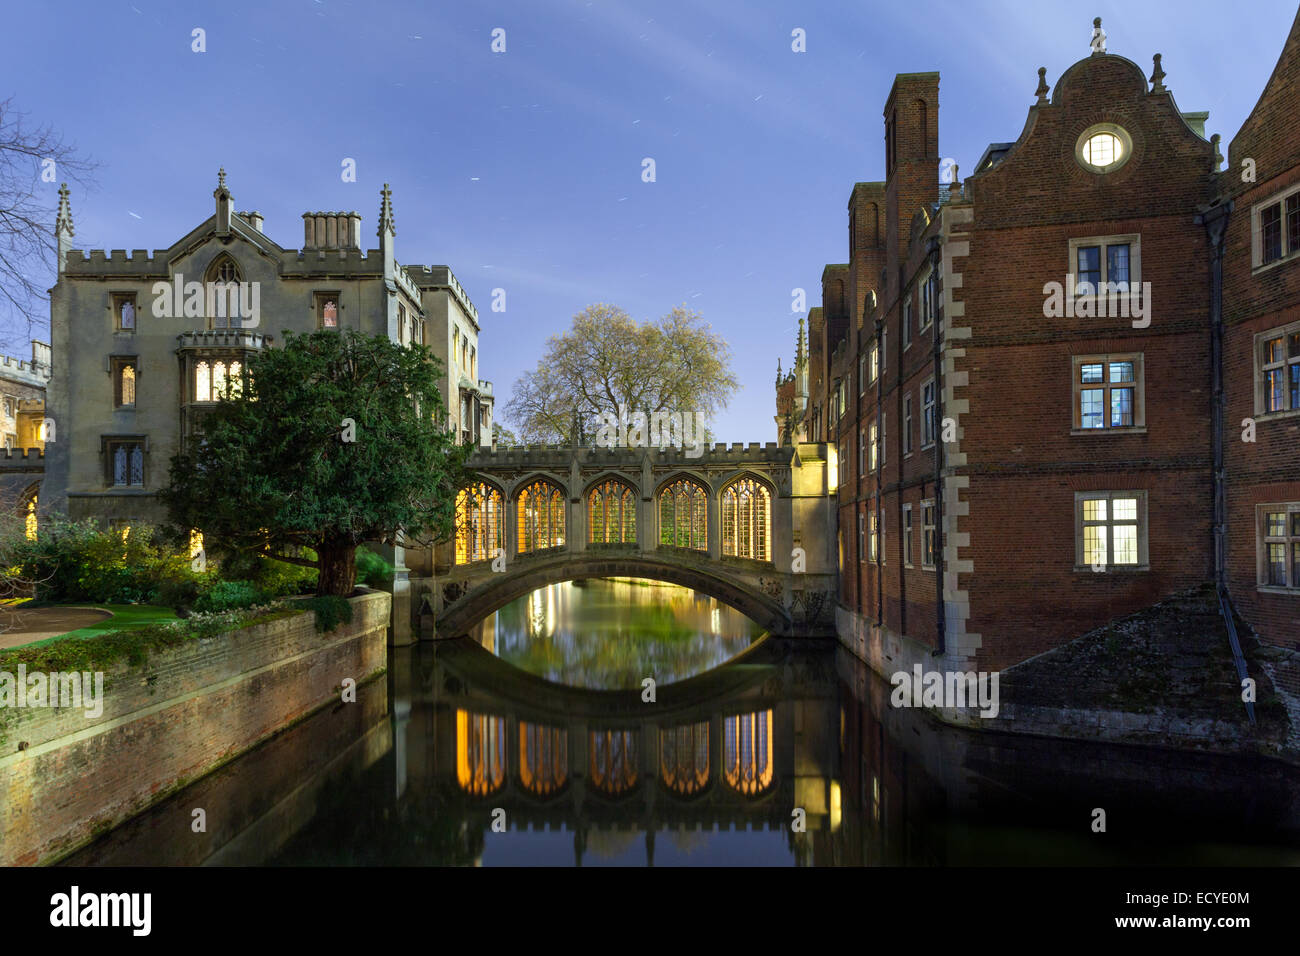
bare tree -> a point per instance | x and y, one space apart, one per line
33 161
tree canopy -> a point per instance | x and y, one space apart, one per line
607 359
335 439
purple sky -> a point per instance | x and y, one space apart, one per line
522 170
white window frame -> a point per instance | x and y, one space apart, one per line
862 534
873 452
1288 540
873 537
907 425
1143 558
929 309
1138 385
907 321
1132 240
907 536
1257 237
862 378
927 413
1262 367
862 452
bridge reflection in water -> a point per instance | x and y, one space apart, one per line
417 770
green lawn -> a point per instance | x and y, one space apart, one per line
126 617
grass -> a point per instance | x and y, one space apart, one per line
125 617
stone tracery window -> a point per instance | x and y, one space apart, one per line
684 758
747 752
480 753
540 515
478 523
614 757
746 519
611 510
684 515
543 758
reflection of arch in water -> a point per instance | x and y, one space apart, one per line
480 753
543 758
614 756
747 752
684 758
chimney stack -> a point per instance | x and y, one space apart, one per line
331 230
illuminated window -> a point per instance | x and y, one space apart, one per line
478 523
1110 529
1279 546
684 758
1277 370
1275 228
31 520
215 380
123 382
613 760
746 520
327 310
683 516
1103 148
540 512
747 752
480 753
1108 392
611 513
928 535
543 758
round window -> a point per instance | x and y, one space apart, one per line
1103 148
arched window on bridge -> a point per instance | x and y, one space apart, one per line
684 758
543 758
614 758
746 519
747 752
684 515
611 513
541 517
480 753
478 523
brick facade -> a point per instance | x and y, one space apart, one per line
1020 439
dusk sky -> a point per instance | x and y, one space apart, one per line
522 170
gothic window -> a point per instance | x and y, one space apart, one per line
683 516
684 758
123 382
611 509
543 758
746 519
125 463
614 758
478 523
480 753
747 752
217 379
327 310
540 514
124 311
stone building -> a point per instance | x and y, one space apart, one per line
1017 371
138 366
22 425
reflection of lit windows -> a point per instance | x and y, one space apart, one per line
478 523
611 510
747 752
543 758
540 512
683 516
480 753
614 756
684 758
746 519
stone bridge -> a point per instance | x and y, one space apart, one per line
753 526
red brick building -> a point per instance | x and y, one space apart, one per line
1018 370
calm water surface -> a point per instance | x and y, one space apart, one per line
531 743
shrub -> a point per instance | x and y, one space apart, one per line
77 561
372 570
330 611
279 578
228 596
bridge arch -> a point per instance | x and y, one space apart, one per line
498 590
611 475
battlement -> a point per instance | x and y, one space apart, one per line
560 456
14 457
437 277
116 262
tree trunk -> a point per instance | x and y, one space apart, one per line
338 568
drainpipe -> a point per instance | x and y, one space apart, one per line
880 452
1215 221
937 423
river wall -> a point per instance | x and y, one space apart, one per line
66 777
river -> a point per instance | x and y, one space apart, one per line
634 723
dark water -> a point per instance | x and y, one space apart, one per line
751 754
